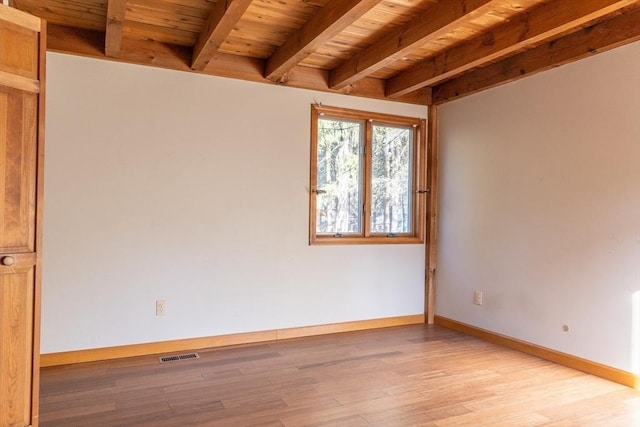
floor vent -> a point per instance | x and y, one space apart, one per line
177 358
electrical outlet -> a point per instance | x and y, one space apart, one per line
477 297
161 307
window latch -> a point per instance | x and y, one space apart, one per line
315 190
338 235
423 191
392 235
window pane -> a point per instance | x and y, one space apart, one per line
391 182
339 201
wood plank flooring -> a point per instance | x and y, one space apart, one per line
403 376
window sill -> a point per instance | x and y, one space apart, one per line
372 240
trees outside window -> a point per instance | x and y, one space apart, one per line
367 177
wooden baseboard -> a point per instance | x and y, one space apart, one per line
97 354
607 372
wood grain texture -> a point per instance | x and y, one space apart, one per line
431 251
435 22
348 326
87 14
545 22
388 15
422 164
145 52
322 27
267 25
70 357
313 173
384 49
16 347
613 374
393 377
21 19
20 46
600 37
21 135
366 236
116 10
39 227
225 15
144 31
18 82
17 180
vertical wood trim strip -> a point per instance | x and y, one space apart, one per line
4 145
432 236
37 298
420 161
313 173
367 178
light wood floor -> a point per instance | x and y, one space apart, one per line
405 376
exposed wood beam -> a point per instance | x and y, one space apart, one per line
334 17
438 20
543 23
600 37
116 10
225 14
146 52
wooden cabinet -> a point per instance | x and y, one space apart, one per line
22 54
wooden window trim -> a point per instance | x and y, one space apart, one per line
419 177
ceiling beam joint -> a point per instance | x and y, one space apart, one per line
116 11
327 23
437 21
604 35
224 16
547 21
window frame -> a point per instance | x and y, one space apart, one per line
418 178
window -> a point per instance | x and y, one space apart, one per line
367 177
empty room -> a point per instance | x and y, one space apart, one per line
319 213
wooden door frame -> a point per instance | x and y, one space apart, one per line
37 296
33 84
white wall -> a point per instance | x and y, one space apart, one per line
540 209
194 189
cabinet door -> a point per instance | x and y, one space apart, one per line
22 47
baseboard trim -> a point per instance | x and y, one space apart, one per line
108 353
607 372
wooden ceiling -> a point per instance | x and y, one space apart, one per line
418 51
